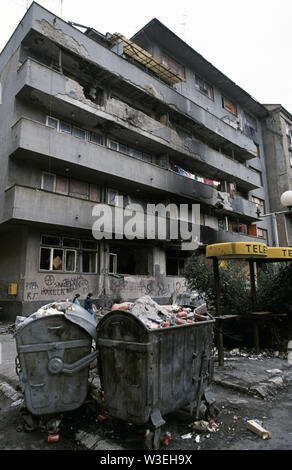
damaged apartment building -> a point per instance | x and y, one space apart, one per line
86 117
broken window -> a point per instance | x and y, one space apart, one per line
112 263
89 262
229 106
51 259
235 226
175 264
262 233
259 202
173 65
69 258
204 88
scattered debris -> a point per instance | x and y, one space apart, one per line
197 439
255 427
187 436
200 426
53 437
167 438
17 403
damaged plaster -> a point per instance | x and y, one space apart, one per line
57 35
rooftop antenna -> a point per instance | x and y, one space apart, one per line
183 24
61 2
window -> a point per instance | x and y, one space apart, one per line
70 261
173 65
65 128
146 157
78 188
80 133
71 243
49 182
123 149
95 138
235 226
260 202
174 266
229 106
52 122
221 224
51 240
113 145
136 153
262 233
71 258
94 193
89 262
71 187
89 245
112 263
61 185
112 197
51 259
204 88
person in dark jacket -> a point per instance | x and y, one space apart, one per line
88 304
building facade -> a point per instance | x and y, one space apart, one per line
87 117
277 132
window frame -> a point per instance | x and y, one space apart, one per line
197 86
224 105
166 59
42 181
115 263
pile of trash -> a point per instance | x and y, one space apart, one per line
154 315
73 312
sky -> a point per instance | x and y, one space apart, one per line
249 41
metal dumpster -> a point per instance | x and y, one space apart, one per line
146 374
54 353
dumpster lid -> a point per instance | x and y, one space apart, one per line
73 312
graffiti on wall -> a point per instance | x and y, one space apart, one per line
158 287
51 287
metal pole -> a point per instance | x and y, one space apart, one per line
218 311
275 228
253 306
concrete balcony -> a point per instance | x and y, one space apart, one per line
209 236
40 144
42 207
66 94
32 141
